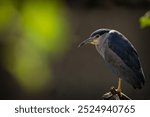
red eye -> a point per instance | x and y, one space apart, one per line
97 36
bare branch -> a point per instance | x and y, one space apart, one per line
113 95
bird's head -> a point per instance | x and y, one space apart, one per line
95 37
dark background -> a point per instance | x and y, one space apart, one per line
80 73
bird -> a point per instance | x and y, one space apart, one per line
120 56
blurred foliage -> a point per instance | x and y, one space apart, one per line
42 30
145 20
7 10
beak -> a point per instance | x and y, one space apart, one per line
89 40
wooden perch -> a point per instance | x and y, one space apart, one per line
113 95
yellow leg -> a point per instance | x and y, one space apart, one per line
119 89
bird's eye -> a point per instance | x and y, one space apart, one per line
97 36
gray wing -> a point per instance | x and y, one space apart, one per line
124 49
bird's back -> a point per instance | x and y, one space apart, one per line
123 59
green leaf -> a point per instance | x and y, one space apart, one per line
145 20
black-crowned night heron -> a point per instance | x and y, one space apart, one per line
120 55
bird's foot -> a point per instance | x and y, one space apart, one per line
115 94
119 92
116 91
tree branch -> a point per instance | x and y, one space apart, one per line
113 95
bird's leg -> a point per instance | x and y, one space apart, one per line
119 89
